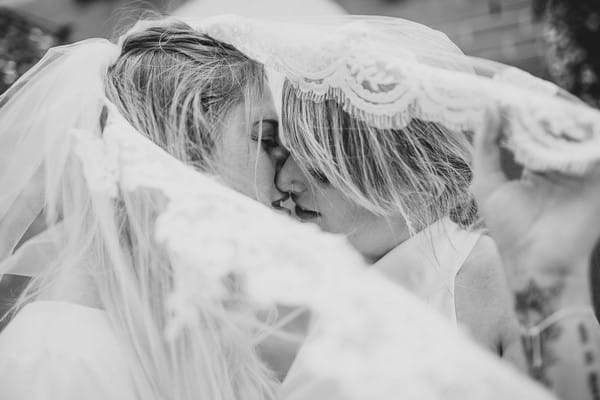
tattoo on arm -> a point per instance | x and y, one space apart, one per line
592 377
533 304
564 355
593 385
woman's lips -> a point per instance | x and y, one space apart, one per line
277 205
305 214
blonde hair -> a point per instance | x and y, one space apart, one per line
176 86
421 172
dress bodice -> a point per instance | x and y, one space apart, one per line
427 263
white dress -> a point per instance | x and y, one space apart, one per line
59 350
428 263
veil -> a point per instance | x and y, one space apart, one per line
389 71
108 197
30 160
78 198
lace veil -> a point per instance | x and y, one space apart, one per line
69 158
389 71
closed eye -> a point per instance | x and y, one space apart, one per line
319 176
268 133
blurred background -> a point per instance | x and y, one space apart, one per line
510 31
504 30
523 33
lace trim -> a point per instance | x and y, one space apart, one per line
387 91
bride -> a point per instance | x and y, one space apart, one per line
377 114
401 196
91 325
149 276
395 183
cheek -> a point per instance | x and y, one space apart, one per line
338 215
368 233
260 170
247 169
357 224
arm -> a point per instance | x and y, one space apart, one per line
485 303
545 227
565 354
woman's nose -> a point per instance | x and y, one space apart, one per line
279 155
289 177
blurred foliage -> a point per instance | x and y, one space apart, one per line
572 32
539 7
23 41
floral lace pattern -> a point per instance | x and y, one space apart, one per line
380 80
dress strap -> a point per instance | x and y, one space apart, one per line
462 243
427 263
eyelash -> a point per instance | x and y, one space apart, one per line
268 143
319 176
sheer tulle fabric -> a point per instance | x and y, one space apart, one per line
93 227
163 244
34 143
212 233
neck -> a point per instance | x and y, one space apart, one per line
385 235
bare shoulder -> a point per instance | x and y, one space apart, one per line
484 302
481 283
